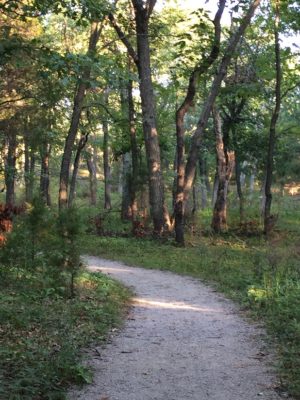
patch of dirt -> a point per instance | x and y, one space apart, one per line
182 341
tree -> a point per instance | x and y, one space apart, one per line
141 57
268 218
198 134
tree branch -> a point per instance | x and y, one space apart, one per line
124 39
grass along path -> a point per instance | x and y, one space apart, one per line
263 278
42 332
182 341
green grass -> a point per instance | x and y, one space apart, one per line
41 332
262 276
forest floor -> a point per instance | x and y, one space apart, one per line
182 340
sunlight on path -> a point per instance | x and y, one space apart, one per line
181 341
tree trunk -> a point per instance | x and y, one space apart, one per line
10 167
81 144
204 181
215 187
156 184
91 165
106 165
179 209
142 61
225 162
126 212
76 114
202 123
268 218
29 167
45 174
134 152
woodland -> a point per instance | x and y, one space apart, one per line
153 133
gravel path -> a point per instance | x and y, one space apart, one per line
182 341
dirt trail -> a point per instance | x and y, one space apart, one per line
182 341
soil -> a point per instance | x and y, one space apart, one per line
182 341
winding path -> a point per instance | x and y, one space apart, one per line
182 341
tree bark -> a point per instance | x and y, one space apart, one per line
180 132
126 211
156 184
91 165
81 144
225 162
76 114
10 166
142 61
198 134
29 167
134 152
106 165
268 218
204 181
45 174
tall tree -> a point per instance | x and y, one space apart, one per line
96 29
141 57
180 114
272 133
197 137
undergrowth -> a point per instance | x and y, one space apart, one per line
50 308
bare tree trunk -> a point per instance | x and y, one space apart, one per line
225 163
106 165
268 218
91 165
76 114
134 152
179 209
29 167
10 166
45 174
190 167
204 181
81 144
126 212
142 60
156 184
215 188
